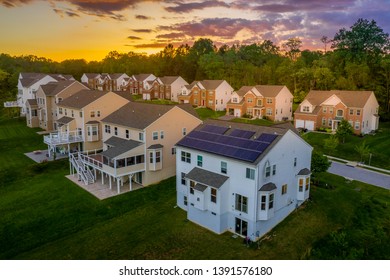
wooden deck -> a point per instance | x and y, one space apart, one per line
103 191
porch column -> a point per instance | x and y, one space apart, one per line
122 181
131 181
48 150
94 172
118 185
102 177
110 182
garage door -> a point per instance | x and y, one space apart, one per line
299 123
309 125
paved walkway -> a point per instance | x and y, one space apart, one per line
360 174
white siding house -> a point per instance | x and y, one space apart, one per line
241 178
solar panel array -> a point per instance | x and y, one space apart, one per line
238 146
242 133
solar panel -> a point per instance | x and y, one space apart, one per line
264 137
215 129
242 133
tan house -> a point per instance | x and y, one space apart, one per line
213 94
31 113
104 81
47 98
327 108
168 87
136 83
271 101
78 122
139 144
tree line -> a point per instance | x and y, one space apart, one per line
357 58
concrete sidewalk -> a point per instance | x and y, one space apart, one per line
360 174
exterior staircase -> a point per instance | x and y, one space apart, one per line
82 170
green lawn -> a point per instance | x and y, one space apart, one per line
263 122
206 113
45 216
379 145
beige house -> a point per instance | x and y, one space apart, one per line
78 122
139 145
271 101
327 108
31 106
47 98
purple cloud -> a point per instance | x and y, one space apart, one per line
182 7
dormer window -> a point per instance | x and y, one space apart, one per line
305 109
235 100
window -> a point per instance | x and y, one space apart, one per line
127 134
158 156
271 201
269 112
267 169
301 185
92 114
284 189
115 131
65 112
185 157
269 100
151 157
357 125
305 109
241 203
250 100
173 151
98 113
196 101
331 110
213 196
72 114
324 110
192 185
329 122
185 200
295 161
307 184
339 113
223 167
107 129
200 161
263 202
274 169
161 134
141 136
155 135
183 179
81 114
323 121
211 102
351 111
235 100
250 173
276 111
60 111
184 131
259 102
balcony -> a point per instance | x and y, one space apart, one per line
60 138
11 104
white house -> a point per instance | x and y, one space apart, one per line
241 178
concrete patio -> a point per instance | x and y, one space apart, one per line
42 156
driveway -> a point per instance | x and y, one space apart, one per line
360 174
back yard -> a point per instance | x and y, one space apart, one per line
45 216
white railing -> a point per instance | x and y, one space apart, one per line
83 171
91 161
57 138
10 104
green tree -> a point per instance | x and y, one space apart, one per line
319 163
362 149
331 143
343 129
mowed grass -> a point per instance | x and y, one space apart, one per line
206 113
45 216
379 145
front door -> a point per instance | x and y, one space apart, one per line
241 227
138 177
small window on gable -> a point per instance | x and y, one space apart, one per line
141 136
274 169
267 169
200 161
184 131
161 134
295 161
92 114
223 167
250 173
155 135
127 134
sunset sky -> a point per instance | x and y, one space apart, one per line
64 29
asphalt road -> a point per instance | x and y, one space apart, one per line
360 174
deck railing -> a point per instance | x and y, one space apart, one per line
57 138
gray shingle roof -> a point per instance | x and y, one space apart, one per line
92 122
200 187
211 84
155 146
304 171
32 102
268 187
140 115
269 90
120 146
65 120
82 98
206 177
53 88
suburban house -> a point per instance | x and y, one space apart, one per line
136 83
78 120
327 108
47 98
213 94
139 145
271 101
168 87
242 178
104 82
28 85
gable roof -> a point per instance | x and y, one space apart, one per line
211 84
354 99
140 115
269 90
53 88
29 79
168 80
243 90
82 98
91 75
119 146
116 76
206 177
141 77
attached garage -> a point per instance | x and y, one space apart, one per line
309 125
